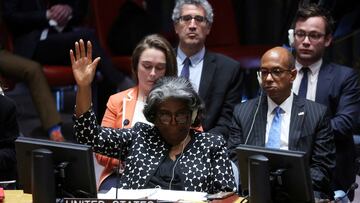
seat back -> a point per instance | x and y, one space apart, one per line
105 13
224 28
6 83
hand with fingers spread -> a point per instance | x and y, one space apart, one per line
83 67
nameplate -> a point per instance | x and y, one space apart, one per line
89 200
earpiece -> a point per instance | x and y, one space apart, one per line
194 115
291 37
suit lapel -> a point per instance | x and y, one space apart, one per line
209 68
323 83
296 122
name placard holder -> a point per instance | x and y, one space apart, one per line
92 200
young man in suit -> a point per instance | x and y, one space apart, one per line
330 84
215 77
303 124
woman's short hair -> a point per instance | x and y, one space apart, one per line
157 42
174 88
203 3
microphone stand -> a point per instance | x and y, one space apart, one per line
118 175
118 168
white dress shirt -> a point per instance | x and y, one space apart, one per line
286 106
196 67
312 79
138 115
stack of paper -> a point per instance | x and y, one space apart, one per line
156 194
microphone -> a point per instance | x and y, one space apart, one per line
351 188
258 77
119 166
126 122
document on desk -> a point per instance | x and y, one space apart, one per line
156 194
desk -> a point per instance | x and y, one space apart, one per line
231 199
17 196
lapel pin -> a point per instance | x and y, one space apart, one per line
301 113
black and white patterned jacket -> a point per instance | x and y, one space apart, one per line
204 162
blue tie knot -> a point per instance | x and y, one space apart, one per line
187 61
305 70
185 72
304 82
278 111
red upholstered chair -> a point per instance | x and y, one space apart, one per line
60 78
224 36
104 13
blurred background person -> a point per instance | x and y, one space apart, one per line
22 69
38 26
30 72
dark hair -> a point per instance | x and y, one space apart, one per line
313 10
203 3
157 42
291 59
175 88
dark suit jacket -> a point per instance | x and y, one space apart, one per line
338 89
9 131
27 19
309 132
219 88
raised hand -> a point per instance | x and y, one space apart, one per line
83 66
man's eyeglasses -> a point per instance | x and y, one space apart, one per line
313 36
275 72
187 19
181 117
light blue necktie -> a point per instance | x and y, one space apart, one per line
185 72
275 130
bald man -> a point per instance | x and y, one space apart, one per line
304 125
